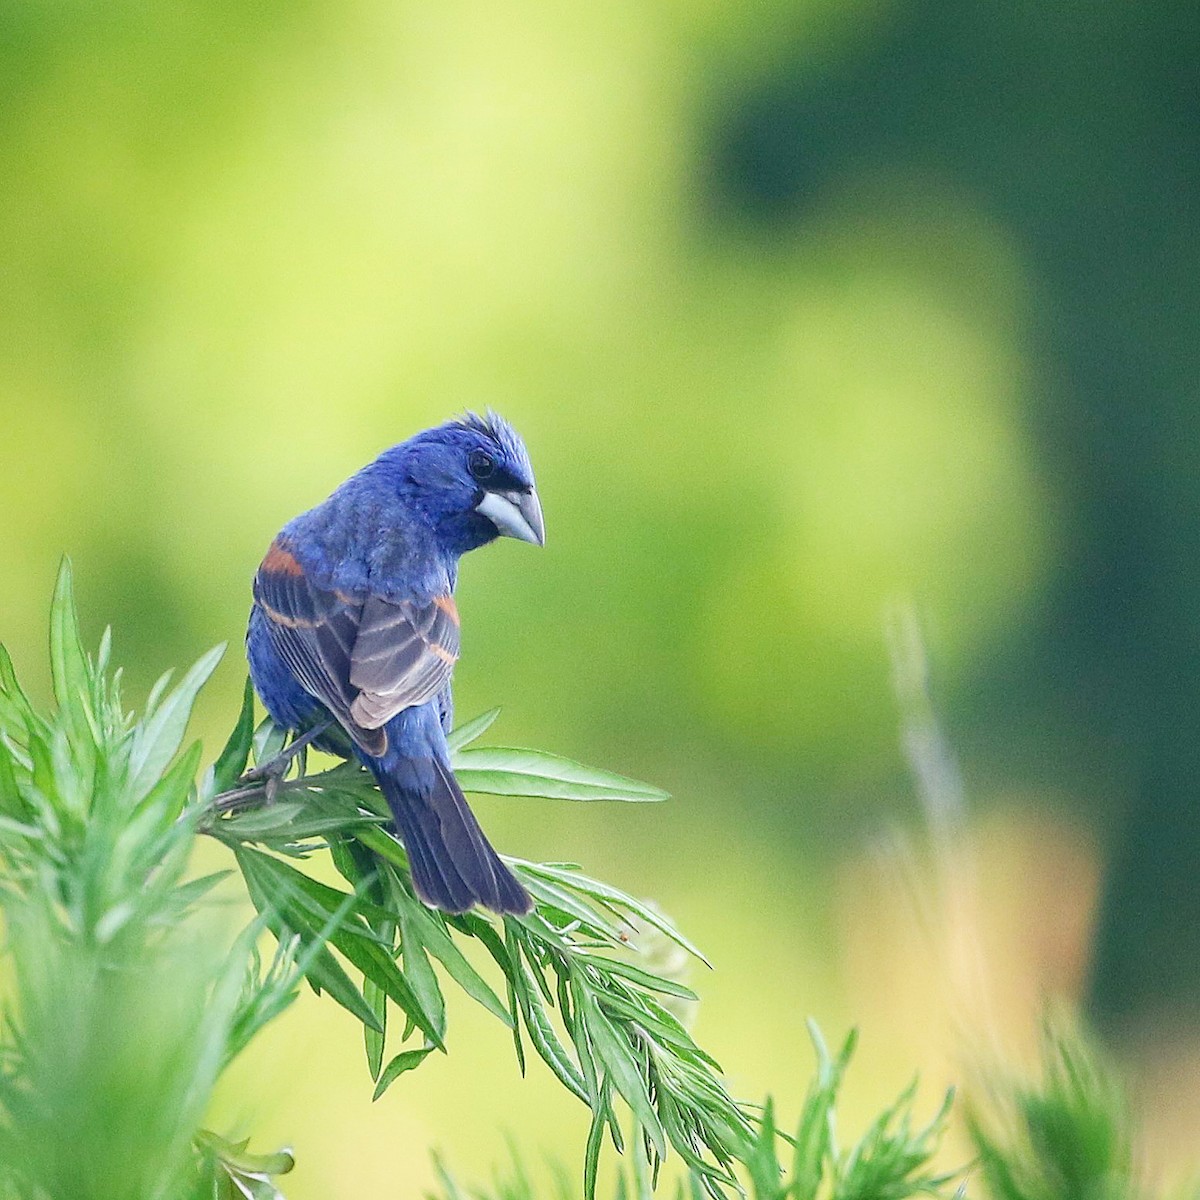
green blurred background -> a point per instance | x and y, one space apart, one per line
802 309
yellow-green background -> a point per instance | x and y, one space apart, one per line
805 310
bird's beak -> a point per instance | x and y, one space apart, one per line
515 514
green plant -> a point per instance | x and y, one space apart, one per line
125 994
1066 1136
892 1160
601 1022
127 999
124 1000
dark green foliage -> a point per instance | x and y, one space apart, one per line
891 1161
124 998
128 998
1064 1138
125 1001
572 990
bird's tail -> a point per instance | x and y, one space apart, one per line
453 864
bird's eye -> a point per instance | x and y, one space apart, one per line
481 464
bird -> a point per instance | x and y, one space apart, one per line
354 633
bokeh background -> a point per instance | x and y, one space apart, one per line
810 313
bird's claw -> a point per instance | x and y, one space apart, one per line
272 772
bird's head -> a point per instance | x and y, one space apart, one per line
473 477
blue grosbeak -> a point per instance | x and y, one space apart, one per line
354 627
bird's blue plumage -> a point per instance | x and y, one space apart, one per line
354 618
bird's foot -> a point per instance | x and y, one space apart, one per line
272 772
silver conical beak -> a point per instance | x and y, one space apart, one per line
515 514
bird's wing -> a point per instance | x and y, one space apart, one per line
365 658
404 655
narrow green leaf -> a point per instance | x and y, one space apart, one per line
550 896
481 928
538 1026
515 1005
537 966
351 937
264 997
268 741
157 739
304 832
641 1176
613 897
681 1136
103 652
562 988
41 765
591 1157
169 795
376 963
235 1156
72 767
187 894
420 974
16 713
447 1180
652 983
15 829
12 716
610 1116
406 1060
504 771
157 692
327 975
11 799
464 735
385 846
257 823
233 758
812 1142
68 663
622 1067
319 899
376 999
438 942
660 1024
343 859
546 1042
323 971
577 1028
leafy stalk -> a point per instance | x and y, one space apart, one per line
128 999
892 1160
125 1000
601 1022
1065 1137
